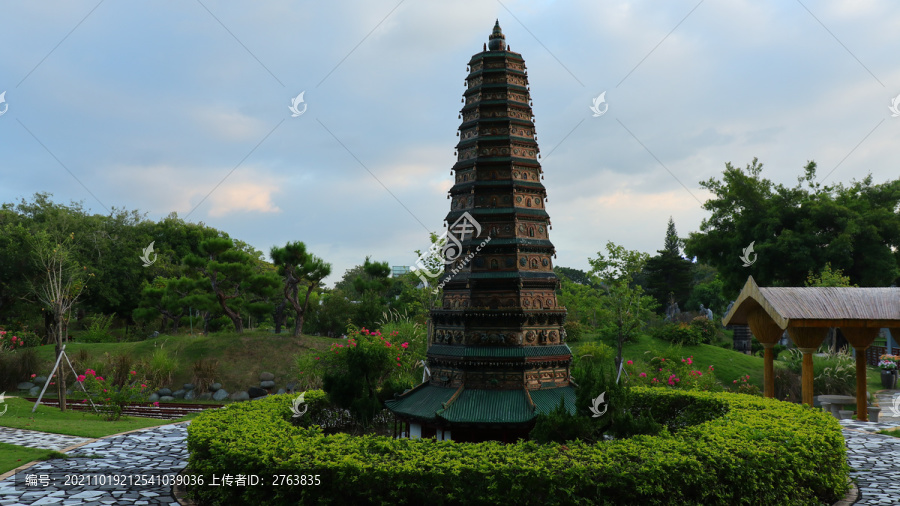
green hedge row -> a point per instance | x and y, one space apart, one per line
720 449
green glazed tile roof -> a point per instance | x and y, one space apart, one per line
489 406
499 351
427 403
547 400
421 402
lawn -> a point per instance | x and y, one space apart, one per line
71 422
12 456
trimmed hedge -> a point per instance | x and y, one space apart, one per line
719 449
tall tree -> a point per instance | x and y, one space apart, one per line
63 283
299 268
233 276
668 275
373 283
625 303
795 230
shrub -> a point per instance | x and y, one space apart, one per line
205 371
708 330
594 352
678 333
722 449
160 368
667 372
833 374
107 399
16 366
574 331
98 329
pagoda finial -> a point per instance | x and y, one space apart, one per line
497 41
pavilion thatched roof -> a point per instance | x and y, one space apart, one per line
818 306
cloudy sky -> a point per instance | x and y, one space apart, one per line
183 106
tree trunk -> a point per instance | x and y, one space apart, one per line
279 315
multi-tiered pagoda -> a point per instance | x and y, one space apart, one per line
497 353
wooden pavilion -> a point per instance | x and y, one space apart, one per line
807 314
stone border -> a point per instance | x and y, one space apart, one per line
23 467
853 495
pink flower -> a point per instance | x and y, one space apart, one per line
99 378
629 362
710 368
143 385
643 375
387 344
735 381
80 378
690 360
133 373
404 345
14 338
33 375
156 404
662 359
682 360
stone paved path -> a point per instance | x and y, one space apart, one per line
36 439
874 461
152 454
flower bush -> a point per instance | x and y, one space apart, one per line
14 340
674 374
109 400
742 385
889 362
367 370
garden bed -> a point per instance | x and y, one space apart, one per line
719 449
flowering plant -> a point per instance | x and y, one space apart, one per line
13 340
674 374
108 399
889 362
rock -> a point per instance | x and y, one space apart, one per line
188 386
205 396
291 386
189 395
240 396
40 380
267 384
26 385
215 386
255 392
178 394
282 391
155 334
166 398
266 376
35 391
153 397
164 391
220 395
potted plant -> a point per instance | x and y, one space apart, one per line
888 366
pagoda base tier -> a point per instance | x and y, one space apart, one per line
464 408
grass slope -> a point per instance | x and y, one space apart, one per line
241 357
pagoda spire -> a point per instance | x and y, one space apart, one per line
497 41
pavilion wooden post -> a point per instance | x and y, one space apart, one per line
767 332
861 338
808 340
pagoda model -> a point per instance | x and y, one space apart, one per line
497 355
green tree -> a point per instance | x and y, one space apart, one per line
234 277
668 273
63 283
828 277
625 304
298 267
795 230
373 284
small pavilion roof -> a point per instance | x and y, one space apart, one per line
818 306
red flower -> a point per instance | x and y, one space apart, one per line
80 378
629 362
133 372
